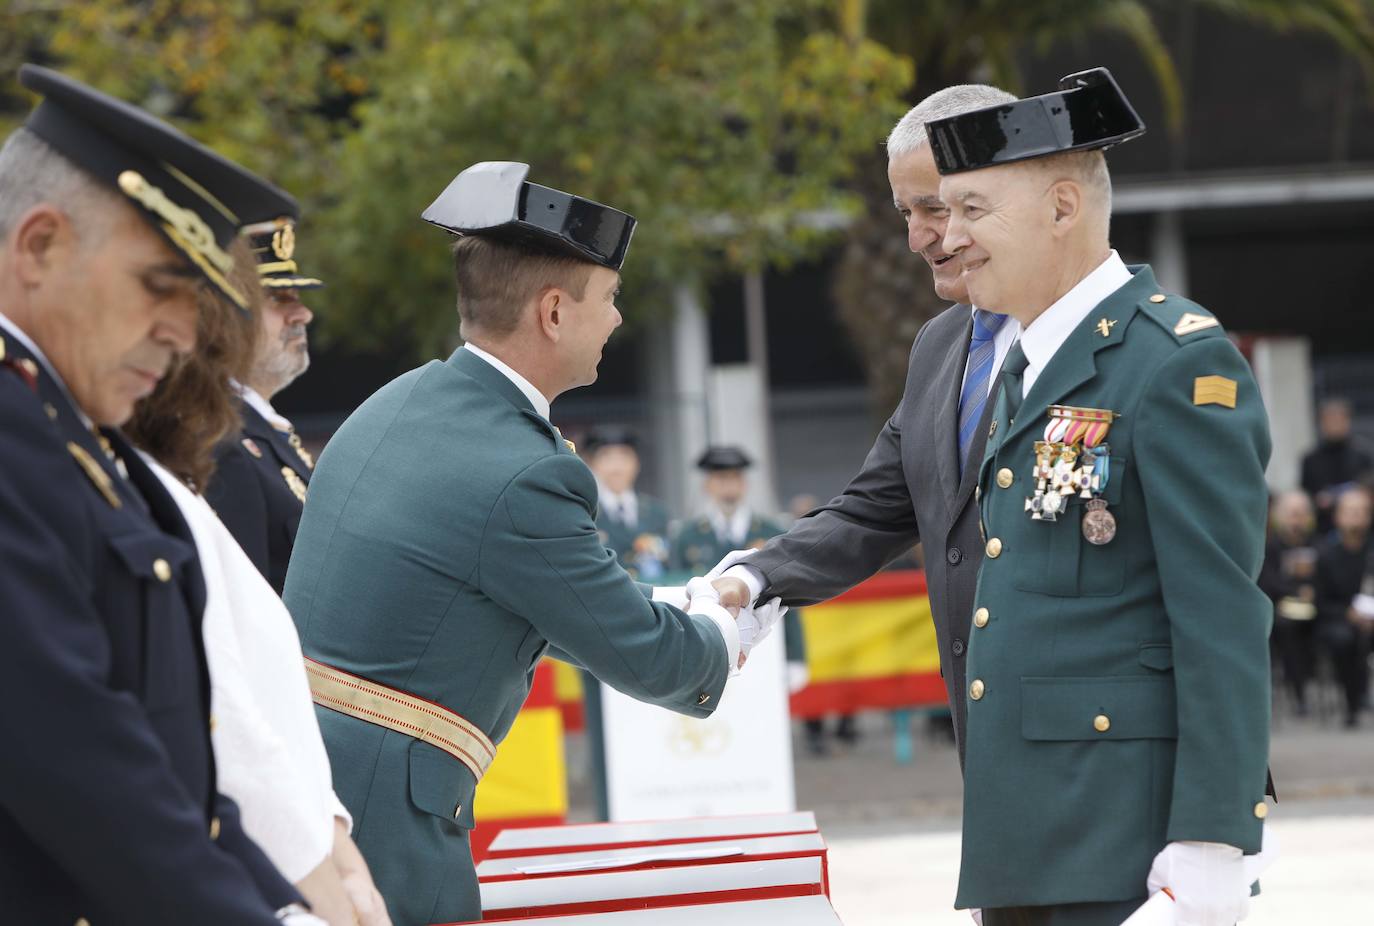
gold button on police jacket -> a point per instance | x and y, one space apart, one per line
214 827
162 570
1261 810
1005 477
1102 723
976 689
980 617
994 548
82 922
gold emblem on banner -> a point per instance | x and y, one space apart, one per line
692 738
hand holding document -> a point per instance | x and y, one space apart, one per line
1162 909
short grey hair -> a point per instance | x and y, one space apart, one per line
33 172
910 132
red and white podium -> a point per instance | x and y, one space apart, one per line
783 911
595 837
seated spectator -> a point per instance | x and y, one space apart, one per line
1288 577
269 754
1343 572
1335 463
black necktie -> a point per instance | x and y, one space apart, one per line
1012 368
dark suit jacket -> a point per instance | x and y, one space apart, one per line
908 490
253 496
108 804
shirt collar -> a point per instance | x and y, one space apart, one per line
1044 336
254 400
19 335
537 398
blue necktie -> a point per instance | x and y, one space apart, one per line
981 352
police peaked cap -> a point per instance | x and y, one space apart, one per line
493 199
1088 111
609 436
274 245
723 458
197 199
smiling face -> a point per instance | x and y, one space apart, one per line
916 194
112 314
1002 227
586 325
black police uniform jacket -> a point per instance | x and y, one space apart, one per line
108 804
258 492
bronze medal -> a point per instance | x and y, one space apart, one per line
1099 525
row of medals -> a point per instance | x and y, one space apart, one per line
1065 468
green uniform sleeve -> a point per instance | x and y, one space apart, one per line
1201 468
541 559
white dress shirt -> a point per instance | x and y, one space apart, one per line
1044 336
262 406
622 506
732 529
268 750
537 398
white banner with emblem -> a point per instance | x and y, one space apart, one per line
661 765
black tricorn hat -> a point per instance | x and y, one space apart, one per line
1087 111
196 198
609 436
274 245
493 198
719 458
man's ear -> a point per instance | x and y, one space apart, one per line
38 239
1066 198
549 312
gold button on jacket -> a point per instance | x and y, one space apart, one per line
1005 478
1102 723
1261 810
214 827
980 617
162 570
994 548
976 689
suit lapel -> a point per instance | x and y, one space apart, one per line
255 425
951 376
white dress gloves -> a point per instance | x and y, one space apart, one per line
1208 881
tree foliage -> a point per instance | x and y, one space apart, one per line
723 126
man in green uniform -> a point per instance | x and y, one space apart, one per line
449 541
1118 719
730 524
633 525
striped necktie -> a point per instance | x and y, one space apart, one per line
982 350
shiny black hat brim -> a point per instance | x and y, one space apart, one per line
1089 111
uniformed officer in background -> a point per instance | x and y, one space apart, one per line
634 525
261 472
113 226
729 523
449 541
1118 713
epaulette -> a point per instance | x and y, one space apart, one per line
1183 318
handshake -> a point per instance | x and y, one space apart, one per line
726 595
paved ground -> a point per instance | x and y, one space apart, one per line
893 826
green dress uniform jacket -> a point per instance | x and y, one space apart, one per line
647 537
448 541
1119 693
697 549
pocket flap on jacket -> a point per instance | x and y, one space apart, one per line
141 552
1157 656
1134 707
441 785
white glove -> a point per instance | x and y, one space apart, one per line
977 916
797 676
296 915
733 558
756 622
1207 879
703 599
